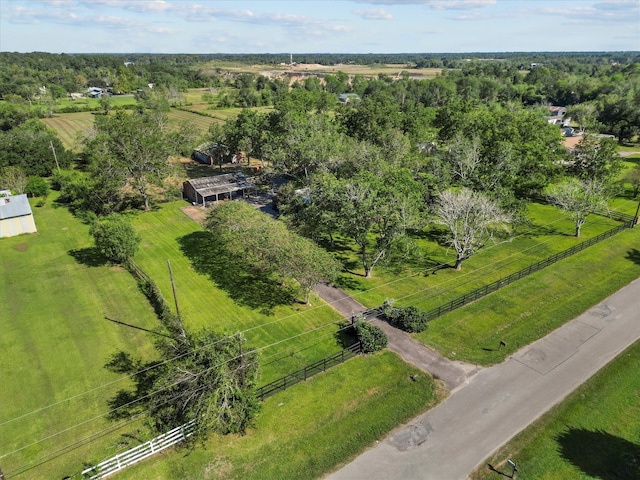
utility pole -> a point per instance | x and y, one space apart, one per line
55 157
173 287
240 339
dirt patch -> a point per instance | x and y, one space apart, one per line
197 214
21 247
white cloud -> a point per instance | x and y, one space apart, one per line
373 14
435 4
460 4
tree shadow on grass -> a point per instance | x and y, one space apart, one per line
246 287
91 257
634 256
600 454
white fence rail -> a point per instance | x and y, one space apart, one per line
138 453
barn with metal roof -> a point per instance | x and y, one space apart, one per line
16 216
207 190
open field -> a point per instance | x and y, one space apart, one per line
310 429
532 307
350 69
64 312
216 294
70 127
594 433
427 285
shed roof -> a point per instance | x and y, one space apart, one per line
230 182
14 206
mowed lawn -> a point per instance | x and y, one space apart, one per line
427 285
56 297
311 428
530 308
594 433
218 294
71 127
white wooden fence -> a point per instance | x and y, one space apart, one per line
138 453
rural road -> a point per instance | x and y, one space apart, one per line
483 413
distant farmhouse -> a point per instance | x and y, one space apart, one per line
207 190
557 116
16 216
96 92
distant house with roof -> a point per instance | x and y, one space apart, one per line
207 190
96 92
16 216
557 116
347 98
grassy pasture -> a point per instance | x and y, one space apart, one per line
529 309
215 293
594 433
70 127
309 429
57 298
427 286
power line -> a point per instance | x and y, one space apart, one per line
34 463
177 357
149 395
213 343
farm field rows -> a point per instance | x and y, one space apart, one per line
70 127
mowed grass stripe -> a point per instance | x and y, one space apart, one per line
56 339
204 303
532 307
69 126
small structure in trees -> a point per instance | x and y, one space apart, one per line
16 216
207 190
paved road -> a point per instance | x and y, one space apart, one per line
449 441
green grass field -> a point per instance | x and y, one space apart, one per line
594 433
216 294
530 308
426 285
70 127
57 298
309 429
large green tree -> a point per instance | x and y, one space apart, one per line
269 247
115 237
134 149
596 159
579 198
376 210
33 148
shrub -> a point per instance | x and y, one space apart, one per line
36 187
372 338
409 319
115 238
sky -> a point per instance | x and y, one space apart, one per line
318 26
